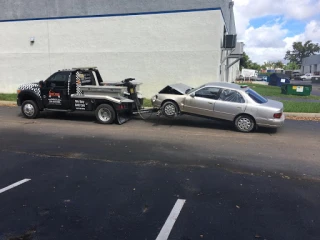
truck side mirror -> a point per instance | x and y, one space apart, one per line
41 83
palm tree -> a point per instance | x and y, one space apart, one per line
279 64
268 65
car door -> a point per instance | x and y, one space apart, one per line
202 102
229 104
55 91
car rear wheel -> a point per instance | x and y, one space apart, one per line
105 114
170 109
244 123
30 109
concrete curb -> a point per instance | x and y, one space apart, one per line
288 114
304 115
8 103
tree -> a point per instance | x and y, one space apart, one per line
301 51
278 64
268 65
245 61
255 66
292 66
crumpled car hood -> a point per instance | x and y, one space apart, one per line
179 87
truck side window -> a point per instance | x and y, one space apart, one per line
58 80
87 79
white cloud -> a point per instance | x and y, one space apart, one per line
313 31
265 36
265 43
261 55
269 42
276 44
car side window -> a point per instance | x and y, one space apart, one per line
58 80
208 92
229 95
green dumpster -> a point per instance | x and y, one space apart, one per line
293 89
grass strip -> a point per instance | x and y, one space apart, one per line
8 96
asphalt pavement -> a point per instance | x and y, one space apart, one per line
92 181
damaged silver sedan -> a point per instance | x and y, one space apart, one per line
226 101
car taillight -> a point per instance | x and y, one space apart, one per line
277 115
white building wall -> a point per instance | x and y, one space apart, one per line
234 70
155 49
307 69
315 68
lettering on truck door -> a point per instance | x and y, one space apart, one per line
55 91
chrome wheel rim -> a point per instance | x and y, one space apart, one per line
244 124
104 114
28 109
170 110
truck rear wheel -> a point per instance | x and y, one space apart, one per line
105 114
30 109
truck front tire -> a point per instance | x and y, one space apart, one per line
105 114
30 109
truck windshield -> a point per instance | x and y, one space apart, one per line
256 96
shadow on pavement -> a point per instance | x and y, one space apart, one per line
183 121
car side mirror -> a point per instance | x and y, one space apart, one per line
192 95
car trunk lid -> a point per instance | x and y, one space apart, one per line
278 106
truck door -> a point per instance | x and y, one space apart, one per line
55 92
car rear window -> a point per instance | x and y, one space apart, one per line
256 96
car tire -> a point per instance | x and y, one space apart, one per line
30 109
244 123
105 114
170 109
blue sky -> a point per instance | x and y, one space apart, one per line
294 26
268 28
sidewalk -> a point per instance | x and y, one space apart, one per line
294 99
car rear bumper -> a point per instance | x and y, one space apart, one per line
274 122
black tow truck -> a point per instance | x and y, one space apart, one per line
81 89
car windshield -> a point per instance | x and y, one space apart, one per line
193 89
256 96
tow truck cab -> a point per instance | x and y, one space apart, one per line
80 89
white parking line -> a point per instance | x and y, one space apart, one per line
168 225
14 185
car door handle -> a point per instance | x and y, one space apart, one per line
210 102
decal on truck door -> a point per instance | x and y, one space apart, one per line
79 105
54 98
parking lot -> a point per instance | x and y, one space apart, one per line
76 179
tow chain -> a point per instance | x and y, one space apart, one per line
140 114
